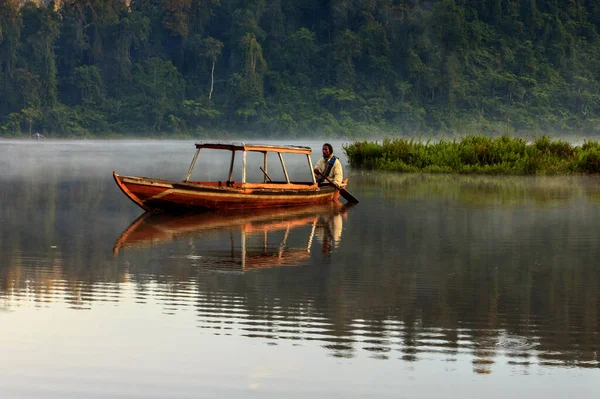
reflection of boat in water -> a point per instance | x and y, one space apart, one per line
264 235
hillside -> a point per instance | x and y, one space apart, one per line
82 68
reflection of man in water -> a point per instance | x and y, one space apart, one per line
329 166
330 231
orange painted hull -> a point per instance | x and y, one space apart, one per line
162 195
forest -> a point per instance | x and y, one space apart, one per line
299 68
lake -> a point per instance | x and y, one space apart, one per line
433 286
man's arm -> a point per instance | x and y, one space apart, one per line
318 170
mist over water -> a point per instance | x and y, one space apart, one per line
481 286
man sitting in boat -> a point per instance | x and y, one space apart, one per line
329 166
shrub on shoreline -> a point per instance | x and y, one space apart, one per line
477 154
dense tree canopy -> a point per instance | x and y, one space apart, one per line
286 68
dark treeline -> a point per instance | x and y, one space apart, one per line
284 68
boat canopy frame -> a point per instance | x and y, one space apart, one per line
263 148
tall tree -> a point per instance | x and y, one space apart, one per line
161 88
38 37
212 50
347 46
10 26
131 32
254 64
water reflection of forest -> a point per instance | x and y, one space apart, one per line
523 314
477 189
524 289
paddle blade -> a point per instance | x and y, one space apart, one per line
347 196
343 192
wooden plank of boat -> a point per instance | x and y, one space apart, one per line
291 149
153 194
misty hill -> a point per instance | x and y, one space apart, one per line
287 68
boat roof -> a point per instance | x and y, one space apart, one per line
254 147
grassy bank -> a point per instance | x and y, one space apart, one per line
477 154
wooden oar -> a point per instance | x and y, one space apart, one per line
344 193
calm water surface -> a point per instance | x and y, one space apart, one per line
433 286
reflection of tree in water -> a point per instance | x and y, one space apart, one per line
396 287
478 189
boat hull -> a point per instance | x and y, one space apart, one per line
163 195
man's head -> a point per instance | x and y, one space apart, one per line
327 150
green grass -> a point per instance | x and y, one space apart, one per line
477 154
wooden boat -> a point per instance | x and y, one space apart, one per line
266 236
158 195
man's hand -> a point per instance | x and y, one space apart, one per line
317 172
